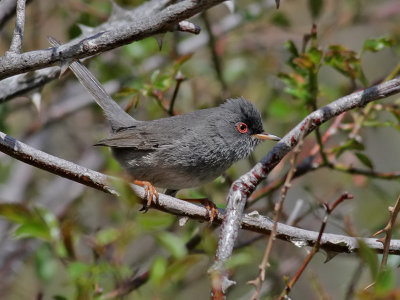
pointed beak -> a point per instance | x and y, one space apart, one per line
267 136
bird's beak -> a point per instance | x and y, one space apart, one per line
267 136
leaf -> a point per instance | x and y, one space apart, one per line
78 269
375 45
370 258
315 55
15 212
181 60
173 244
315 7
240 259
364 160
45 264
351 144
107 236
158 269
154 76
385 281
291 47
280 19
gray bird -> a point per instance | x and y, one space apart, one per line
182 151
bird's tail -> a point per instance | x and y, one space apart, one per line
114 113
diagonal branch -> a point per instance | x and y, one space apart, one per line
246 184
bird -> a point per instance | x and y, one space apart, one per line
181 151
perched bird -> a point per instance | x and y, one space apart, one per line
181 151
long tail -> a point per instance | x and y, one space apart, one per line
114 113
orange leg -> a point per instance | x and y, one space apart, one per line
150 193
209 205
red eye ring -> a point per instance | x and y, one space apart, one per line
242 127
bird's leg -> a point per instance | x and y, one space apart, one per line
150 192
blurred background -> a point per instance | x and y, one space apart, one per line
104 241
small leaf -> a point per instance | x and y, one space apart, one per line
315 7
15 212
291 47
173 244
280 19
154 76
158 269
385 281
375 45
351 144
78 269
364 160
45 264
370 258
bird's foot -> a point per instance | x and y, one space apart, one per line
150 193
211 208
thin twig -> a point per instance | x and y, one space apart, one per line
179 79
278 209
329 209
394 211
215 58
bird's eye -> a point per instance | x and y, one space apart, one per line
242 127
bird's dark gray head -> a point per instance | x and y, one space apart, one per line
241 127
245 112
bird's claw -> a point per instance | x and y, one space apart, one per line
211 209
150 193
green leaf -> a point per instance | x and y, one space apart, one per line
279 108
315 7
280 19
15 212
107 236
375 45
291 47
154 76
240 259
385 281
78 270
33 230
315 55
370 258
155 220
364 160
158 269
351 144
45 264
172 243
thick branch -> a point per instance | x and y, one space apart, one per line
20 84
123 28
252 221
246 184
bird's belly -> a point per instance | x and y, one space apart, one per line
167 173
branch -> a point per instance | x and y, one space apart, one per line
123 27
7 10
252 221
20 84
18 35
246 184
